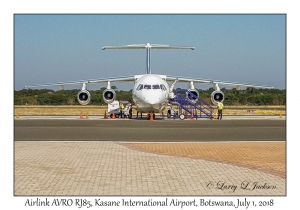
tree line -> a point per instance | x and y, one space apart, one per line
249 96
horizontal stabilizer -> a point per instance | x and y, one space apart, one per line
148 45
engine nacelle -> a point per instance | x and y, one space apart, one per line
83 97
109 95
217 96
192 94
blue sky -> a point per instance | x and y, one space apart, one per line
237 48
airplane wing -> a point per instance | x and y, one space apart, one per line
82 82
113 79
61 84
215 82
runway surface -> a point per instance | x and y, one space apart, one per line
144 130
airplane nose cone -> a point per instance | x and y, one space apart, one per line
153 98
152 101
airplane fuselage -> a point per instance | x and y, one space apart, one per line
150 93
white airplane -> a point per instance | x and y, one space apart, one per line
151 93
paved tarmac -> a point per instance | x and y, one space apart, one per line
144 130
102 157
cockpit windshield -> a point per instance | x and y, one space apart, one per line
154 87
163 87
147 86
140 87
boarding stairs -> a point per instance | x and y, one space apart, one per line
193 106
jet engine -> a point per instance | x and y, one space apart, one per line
83 97
217 96
192 94
109 95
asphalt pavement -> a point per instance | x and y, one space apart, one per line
145 130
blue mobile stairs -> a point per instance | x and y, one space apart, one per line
190 106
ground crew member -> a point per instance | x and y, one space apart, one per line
137 114
130 112
220 109
121 108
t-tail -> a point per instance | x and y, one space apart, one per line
148 48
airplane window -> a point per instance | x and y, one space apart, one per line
147 86
163 87
140 87
155 87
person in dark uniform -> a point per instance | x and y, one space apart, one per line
137 114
